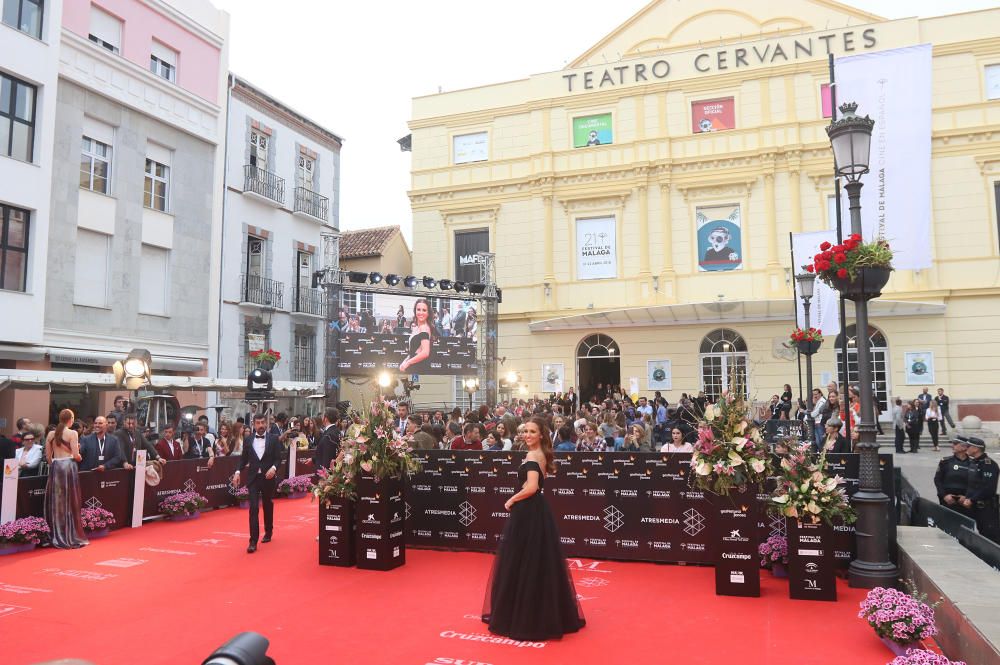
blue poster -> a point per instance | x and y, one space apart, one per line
720 241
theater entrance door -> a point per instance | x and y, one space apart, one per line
598 365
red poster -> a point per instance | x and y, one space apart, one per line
713 115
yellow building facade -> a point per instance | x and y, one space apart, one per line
525 160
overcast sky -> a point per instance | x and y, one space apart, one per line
354 67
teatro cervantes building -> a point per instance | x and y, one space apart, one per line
640 203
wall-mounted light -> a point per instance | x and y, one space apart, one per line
548 289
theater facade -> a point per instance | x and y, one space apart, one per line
640 204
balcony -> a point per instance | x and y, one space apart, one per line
263 185
261 291
309 301
310 203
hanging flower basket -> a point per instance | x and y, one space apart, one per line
807 340
867 285
266 359
857 269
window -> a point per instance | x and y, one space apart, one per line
253 326
304 357
153 280
996 205
304 172
356 301
255 256
13 248
95 166
91 283
258 149
105 29
24 15
879 360
723 363
155 190
17 118
163 62
993 82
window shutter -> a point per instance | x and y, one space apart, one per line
105 27
164 53
91 268
153 280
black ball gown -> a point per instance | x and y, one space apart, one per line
414 346
530 594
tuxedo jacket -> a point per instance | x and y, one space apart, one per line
327 447
90 451
252 466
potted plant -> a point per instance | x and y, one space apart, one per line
183 506
243 496
856 268
900 619
295 487
97 522
774 555
23 535
806 341
266 359
924 657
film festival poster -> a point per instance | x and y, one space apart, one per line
552 377
713 115
720 239
592 130
380 336
596 248
659 375
919 368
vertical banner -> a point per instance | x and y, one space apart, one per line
824 310
894 88
468 244
596 248
737 566
812 571
138 488
8 502
720 239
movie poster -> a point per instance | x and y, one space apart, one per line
720 241
713 115
592 130
596 248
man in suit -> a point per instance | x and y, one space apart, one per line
261 458
328 443
130 441
169 448
99 449
200 446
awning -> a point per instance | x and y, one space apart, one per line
24 378
95 358
742 311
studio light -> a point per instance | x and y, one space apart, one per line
135 371
429 282
258 380
357 277
461 287
384 380
411 281
446 284
374 278
511 377
392 279
477 287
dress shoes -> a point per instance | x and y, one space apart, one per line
266 538
251 548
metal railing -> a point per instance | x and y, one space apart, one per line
309 301
262 291
303 363
311 203
263 183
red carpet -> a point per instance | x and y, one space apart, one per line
172 592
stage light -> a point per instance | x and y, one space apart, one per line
446 284
259 380
461 287
384 380
511 377
135 371
477 287
374 278
410 281
392 279
430 282
357 277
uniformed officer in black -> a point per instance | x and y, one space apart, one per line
981 498
952 477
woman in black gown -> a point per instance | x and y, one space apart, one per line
530 595
421 339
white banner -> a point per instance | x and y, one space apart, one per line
10 473
139 488
596 248
894 88
824 310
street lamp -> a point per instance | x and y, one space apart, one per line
851 137
807 283
471 385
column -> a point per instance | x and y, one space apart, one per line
547 244
668 278
643 232
795 196
772 222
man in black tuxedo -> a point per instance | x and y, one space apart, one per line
328 444
261 459
100 449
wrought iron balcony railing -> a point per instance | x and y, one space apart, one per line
262 291
263 183
309 301
311 203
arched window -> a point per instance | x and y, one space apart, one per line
724 363
598 366
598 346
880 364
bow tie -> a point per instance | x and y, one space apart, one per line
259 438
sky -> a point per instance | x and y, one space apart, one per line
354 67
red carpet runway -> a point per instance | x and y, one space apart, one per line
172 592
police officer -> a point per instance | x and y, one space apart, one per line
981 497
952 477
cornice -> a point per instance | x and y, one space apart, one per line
185 21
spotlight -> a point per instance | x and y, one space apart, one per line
384 379
392 279
244 649
357 277
410 281
135 371
430 282
446 284
461 287
258 380
511 377
374 278
477 288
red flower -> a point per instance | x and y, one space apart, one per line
824 245
842 273
836 249
824 266
818 257
827 255
840 258
856 236
809 268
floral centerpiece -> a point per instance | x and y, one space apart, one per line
96 520
806 491
26 531
730 452
854 261
183 504
773 551
899 618
242 493
267 358
296 485
923 657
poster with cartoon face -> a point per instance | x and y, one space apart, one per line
919 368
720 240
713 115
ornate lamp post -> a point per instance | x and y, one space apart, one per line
807 282
471 385
851 139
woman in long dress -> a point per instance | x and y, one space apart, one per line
530 595
421 339
62 493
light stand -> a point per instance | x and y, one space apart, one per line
851 140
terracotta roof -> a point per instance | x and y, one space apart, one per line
364 243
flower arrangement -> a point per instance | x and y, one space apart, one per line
295 484
900 617
924 657
242 493
843 261
183 503
808 335
24 531
97 519
268 355
730 451
807 492
773 550
372 448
